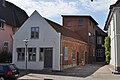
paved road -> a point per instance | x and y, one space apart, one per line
95 71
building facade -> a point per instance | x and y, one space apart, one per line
112 26
50 45
11 18
100 48
84 26
74 51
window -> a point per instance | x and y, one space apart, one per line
35 32
73 55
5 46
99 40
1 24
69 24
32 54
20 54
100 53
66 53
41 54
81 22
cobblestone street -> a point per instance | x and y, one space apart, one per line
96 71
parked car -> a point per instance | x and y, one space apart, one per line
8 71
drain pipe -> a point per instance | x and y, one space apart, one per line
60 38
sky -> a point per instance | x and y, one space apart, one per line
53 9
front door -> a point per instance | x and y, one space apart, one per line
48 57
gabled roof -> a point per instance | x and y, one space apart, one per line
12 15
117 4
87 16
64 31
100 31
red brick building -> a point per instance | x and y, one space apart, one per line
84 26
72 44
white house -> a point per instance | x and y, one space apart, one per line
43 46
113 27
50 45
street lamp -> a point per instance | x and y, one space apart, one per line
26 44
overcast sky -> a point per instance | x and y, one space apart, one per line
53 9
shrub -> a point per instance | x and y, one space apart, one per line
5 57
107 49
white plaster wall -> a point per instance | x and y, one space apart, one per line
112 38
118 36
48 37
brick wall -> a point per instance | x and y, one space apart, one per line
80 48
88 26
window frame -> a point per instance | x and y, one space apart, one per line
5 48
80 22
69 24
73 55
34 32
31 54
99 40
66 53
22 54
100 53
41 54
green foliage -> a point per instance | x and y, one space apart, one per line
5 57
107 57
107 49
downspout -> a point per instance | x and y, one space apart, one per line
60 51
115 50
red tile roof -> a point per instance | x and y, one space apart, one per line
64 31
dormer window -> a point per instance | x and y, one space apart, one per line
69 24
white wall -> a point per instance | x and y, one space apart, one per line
112 39
48 37
115 38
117 34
